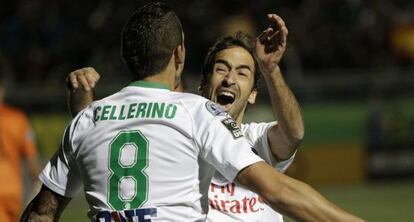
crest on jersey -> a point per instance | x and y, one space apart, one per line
232 126
214 109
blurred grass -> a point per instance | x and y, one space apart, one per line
325 123
379 202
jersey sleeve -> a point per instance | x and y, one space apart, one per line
221 141
256 133
61 173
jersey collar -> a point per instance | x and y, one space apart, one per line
145 84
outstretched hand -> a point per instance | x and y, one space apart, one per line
271 44
86 78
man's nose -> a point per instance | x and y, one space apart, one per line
230 78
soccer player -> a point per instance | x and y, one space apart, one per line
16 144
146 153
230 73
230 77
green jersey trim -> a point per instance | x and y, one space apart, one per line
141 83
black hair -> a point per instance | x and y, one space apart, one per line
239 39
149 38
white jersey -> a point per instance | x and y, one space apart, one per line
146 154
230 201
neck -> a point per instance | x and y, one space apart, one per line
158 78
239 117
166 77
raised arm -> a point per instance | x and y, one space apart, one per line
291 197
47 206
286 136
81 83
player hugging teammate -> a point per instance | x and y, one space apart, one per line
159 169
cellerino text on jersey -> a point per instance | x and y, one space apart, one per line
135 110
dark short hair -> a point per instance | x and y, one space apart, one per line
239 39
149 38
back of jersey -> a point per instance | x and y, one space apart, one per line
138 152
129 145
140 143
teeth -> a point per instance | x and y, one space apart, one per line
227 94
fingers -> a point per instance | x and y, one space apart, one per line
278 23
274 37
92 76
267 34
72 82
86 78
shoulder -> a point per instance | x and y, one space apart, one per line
198 105
254 127
123 93
256 132
188 98
112 99
82 122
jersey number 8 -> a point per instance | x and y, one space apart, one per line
128 158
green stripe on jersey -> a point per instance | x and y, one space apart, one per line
149 85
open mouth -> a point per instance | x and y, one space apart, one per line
225 99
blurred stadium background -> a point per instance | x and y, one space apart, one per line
349 62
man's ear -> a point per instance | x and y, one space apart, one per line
179 54
252 97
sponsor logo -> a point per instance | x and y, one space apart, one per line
141 215
230 199
214 109
232 126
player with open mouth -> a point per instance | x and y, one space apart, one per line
230 76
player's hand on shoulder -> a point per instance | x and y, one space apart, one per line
271 44
84 78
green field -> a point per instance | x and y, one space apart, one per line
379 202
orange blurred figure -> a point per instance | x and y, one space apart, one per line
16 143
